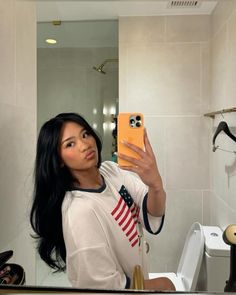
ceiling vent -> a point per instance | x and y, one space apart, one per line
184 4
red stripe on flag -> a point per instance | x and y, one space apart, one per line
133 236
130 230
127 218
134 243
128 223
135 211
124 218
117 207
121 211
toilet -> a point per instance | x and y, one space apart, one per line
204 262
215 267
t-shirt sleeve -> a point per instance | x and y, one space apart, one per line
90 263
139 193
151 223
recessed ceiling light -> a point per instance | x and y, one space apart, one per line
51 41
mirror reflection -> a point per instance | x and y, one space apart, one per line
174 66
80 73
180 48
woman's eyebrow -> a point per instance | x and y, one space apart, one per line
67 139
73 137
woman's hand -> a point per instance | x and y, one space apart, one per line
145 166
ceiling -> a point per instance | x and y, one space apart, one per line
111 9
95 23
79 34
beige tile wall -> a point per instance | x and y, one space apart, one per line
174 69
165 73
223 201
158 36
17 128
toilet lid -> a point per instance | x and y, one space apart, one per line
191 258
214 243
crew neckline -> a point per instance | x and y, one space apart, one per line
91 190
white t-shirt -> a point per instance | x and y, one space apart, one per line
102 230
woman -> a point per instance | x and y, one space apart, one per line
89 216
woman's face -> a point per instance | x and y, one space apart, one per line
78 148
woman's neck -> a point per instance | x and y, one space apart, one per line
91 179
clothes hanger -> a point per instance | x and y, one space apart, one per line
223 126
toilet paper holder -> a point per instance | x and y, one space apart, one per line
229 237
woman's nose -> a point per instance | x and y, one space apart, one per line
83 146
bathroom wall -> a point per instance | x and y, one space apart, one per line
17 128
174 69
223 41
164 72
67 82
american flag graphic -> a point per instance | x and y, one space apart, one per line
126 213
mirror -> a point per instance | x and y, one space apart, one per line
78 74
165 64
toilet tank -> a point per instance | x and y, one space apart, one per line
215 267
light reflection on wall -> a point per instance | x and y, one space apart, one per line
109 125
109 114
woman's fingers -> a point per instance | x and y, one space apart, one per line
138 150
134 163
134 148
130 168
131 160
143 158
147 143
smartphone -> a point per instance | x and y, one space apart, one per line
130 127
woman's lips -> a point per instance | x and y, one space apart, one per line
90 155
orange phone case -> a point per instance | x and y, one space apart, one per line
129 131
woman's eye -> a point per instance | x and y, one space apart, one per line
70 144
85 134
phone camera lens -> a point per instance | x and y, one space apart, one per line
138 124
138 118
132 121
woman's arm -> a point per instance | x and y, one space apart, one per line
159 284
146 168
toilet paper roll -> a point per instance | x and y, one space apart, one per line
229 235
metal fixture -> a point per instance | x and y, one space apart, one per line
138 279
212 114
56 22
100 68
184 4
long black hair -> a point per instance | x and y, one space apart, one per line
51 183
